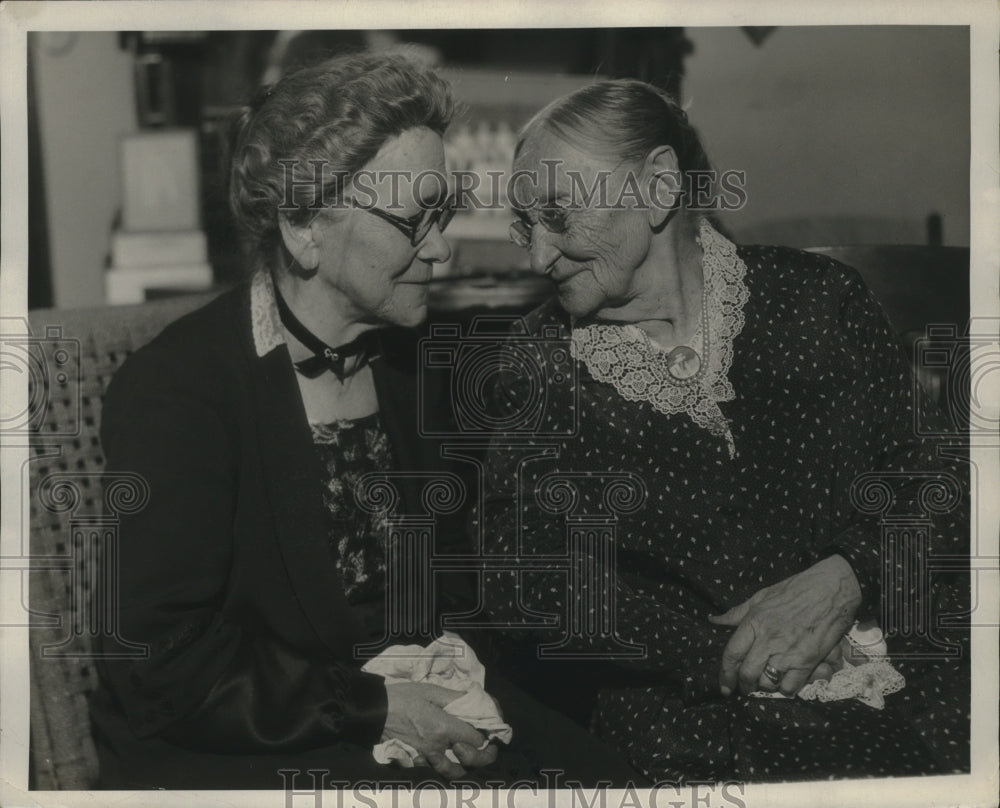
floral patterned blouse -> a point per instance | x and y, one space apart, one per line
349 449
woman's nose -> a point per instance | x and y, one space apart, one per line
434 248
543 252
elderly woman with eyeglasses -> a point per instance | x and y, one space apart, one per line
252 576
745 396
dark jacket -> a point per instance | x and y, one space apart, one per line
226 573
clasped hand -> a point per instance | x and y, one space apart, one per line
794 627
416 716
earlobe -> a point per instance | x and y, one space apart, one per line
300 243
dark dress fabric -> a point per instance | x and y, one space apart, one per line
227 576
823 395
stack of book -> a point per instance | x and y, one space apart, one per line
160 244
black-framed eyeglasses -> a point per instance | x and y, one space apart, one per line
551 217
416 227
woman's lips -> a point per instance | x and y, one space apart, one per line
422 279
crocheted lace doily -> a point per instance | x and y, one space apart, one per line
623 357
869 678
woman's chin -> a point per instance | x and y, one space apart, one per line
407 307
410 315
576 304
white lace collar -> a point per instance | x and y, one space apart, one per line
623 356
264 319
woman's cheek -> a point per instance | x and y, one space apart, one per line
402 301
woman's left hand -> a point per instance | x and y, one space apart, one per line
791 626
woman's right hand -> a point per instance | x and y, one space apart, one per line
416 716
834 662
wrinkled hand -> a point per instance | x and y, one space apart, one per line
795 626
415 715
833 662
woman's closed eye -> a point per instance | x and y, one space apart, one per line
554 218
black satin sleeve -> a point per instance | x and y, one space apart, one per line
270 698
213 677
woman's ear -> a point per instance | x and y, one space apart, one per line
665 187
300 242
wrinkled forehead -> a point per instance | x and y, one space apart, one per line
548 168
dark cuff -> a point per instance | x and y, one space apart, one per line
866 562
365 709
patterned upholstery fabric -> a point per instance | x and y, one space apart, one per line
70 358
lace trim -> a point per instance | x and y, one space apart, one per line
621 356
264 319
867 675
869 683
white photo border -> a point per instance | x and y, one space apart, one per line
17 19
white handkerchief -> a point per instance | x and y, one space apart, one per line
446 662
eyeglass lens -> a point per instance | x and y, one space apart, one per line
442 216
552 219
520 234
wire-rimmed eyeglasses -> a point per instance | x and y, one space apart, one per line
552 218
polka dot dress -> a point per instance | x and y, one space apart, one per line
823 394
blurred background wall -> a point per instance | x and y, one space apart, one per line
85 101
837 126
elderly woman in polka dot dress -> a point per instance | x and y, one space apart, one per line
746 390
